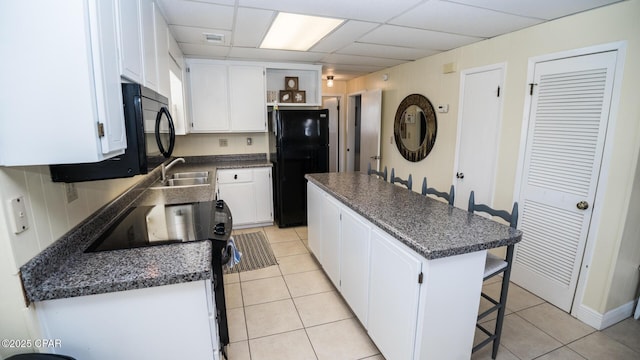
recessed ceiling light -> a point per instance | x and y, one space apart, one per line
297 32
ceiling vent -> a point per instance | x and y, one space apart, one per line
214 38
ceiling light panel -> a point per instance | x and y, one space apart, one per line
297 32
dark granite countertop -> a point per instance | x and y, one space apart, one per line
63 270
430 227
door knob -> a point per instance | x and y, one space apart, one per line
460 175
582 205
235 177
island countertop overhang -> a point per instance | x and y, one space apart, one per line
431 228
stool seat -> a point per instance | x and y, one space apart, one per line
39 356
493 265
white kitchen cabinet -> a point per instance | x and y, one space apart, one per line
181 317
248 193
130 40
354 262
309 80
331 239
394 275
61 100
226 97
149 50
247 98
314 220
208 97
162 53
176 100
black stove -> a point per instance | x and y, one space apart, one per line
143 226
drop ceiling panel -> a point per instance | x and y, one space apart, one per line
385 51
251 26
374 10
360 60
206 51
346 34
543 9
468 20
416 38
194 35
273 55
197 14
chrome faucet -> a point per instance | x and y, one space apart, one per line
166 168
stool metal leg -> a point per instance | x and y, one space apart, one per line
503 301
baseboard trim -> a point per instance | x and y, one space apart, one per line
601 321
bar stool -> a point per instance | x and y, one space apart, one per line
431 191
380 174
395 179
495 265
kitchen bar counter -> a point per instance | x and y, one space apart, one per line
430 227
410 267
63 270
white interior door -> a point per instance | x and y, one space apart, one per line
479 130
332 104
370 129
565 140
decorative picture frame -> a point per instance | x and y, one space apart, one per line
299 96
291 83
286 96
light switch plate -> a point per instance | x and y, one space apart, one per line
19 214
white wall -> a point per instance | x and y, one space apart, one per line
49 218
616 232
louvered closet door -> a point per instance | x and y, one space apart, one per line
567 125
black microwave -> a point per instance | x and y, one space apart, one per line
144 151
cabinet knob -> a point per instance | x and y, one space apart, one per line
235 177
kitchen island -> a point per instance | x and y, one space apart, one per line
410 267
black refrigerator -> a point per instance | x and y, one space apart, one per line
298 145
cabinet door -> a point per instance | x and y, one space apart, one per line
236 188
149 52
264 198
162 53
393 297
130 37
354 264
208 92
247 98
331 238
314 220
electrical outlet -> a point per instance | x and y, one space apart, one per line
223 142
71 192
19 214
249 141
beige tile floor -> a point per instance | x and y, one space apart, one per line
292 311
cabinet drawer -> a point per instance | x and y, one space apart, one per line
235 176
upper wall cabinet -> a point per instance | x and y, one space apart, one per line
162 53
226 96
149 52
130 40
305 89
60 101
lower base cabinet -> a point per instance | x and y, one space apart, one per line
248 193
411 307
164 322
394 292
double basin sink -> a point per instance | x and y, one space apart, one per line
182 179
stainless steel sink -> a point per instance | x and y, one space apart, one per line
184 179
188 181
189 175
